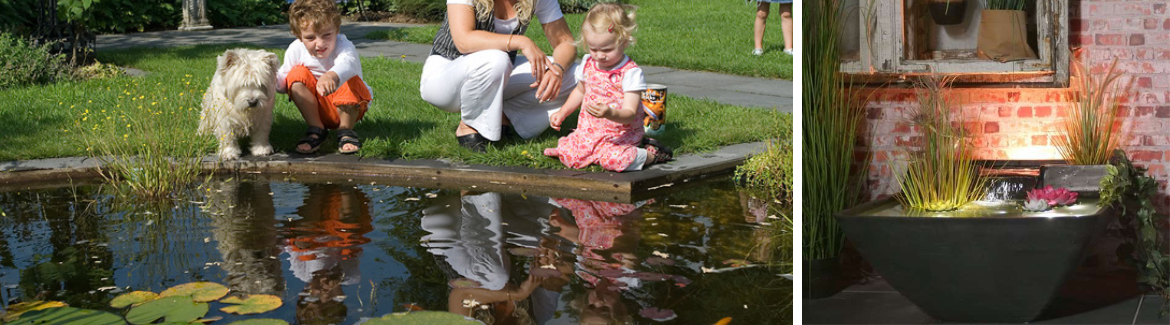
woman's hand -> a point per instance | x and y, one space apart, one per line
536 58
549 86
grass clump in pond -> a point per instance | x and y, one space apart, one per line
43 120
943 175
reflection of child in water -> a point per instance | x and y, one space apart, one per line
607 235
324 246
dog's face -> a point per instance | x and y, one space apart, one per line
248 76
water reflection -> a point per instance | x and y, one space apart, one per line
340 252
324 248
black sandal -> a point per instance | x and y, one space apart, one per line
661 153
348 136
314 143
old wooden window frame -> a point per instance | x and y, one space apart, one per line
883 47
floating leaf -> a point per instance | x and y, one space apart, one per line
132 298
198 291
523 251
422 318
657 314
655 260
464 283
175 309
649 276
681 281
68 316
261 321
253 304
412 307
735 262
724 321
14 311
545 273
612 273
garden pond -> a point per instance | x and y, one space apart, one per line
341 252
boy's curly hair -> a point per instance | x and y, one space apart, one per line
612 17
318 13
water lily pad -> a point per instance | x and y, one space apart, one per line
68 316
681 281
612 273
14 311
464 283
657 314
422 318
173 309
655 260
523 251
132 298
253 304
198 291
261 321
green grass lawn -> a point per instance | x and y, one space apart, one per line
682 34
53 121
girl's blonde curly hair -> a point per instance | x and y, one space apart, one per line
611 17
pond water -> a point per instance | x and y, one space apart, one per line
340 252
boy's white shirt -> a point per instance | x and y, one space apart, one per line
344 61
633 80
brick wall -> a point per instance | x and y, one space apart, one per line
1021 123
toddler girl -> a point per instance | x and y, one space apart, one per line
609 129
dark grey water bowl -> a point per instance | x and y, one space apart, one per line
995 267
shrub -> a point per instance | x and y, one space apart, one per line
433 10
574 6
26 63
236 13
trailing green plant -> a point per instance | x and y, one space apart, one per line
1090 131
1003 4
943 175
832 117
26 63
1128 188
770 172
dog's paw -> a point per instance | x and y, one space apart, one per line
261 150
229 153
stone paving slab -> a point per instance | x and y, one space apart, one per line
607 186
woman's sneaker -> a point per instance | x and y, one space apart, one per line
758 52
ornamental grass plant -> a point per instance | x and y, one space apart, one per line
831 116
943 175
1004 4
1090 132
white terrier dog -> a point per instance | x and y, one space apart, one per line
239 101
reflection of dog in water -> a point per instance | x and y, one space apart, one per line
244 227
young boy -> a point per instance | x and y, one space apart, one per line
323 76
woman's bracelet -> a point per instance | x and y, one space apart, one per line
559 66
509 46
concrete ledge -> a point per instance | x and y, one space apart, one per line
606 186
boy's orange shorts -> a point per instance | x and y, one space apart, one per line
352 92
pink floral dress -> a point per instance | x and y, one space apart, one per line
597 140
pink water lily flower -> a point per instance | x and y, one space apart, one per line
1053 196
